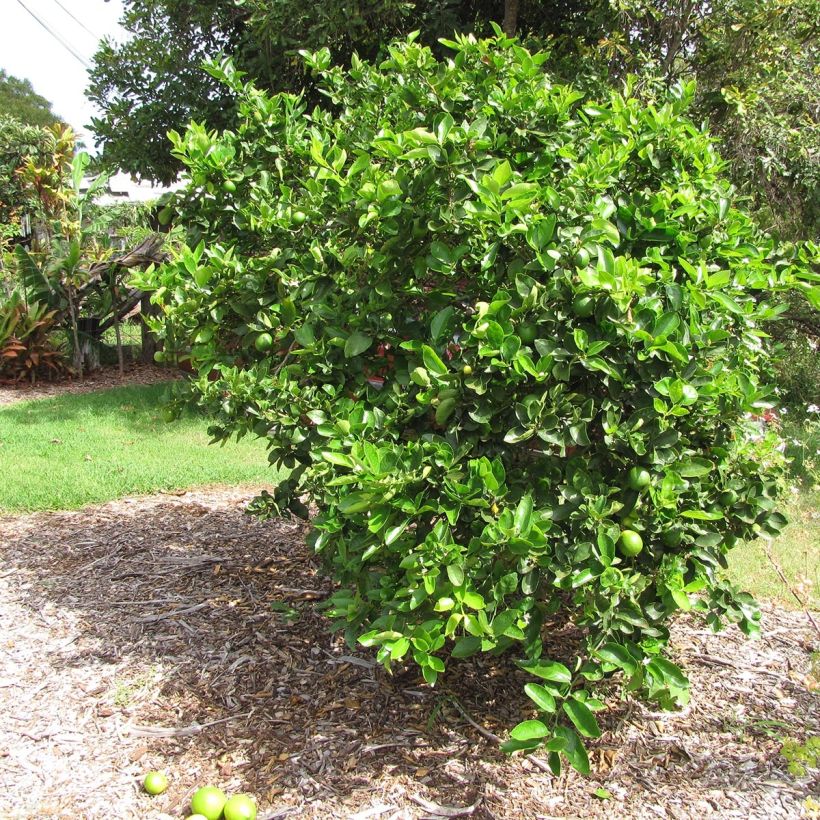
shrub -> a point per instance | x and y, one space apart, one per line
27 341
505 337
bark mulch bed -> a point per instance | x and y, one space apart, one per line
177 633
102 379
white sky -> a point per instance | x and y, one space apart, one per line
28 51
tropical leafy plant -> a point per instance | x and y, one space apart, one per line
27 346
504 336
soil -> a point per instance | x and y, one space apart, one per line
101 379
177 633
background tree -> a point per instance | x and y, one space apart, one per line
154 83
18 142
755 62
19 100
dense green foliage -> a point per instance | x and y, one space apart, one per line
464 303
18 142
754 61
88 448
19 100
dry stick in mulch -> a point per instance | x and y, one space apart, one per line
494 737
791 589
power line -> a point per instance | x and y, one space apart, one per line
56 36
77 20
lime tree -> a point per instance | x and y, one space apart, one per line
573 308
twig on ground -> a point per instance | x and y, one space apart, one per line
536 761
165 615
181 731
789 586
444 811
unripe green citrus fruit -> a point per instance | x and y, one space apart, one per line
155 783
672 537
298 217
638 478
528 332
728 498
583 306
229 186
209 802
467 370
240 807
630 543
263 342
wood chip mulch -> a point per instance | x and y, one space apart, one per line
102 379
178 633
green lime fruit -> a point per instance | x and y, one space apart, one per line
159 356
263 342
638 478
298 217
155 783
689 395
240 807
672 537
467 370
209 802
728 498
583 306
229 186
582 258
528 332
630 543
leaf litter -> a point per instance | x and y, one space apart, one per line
175 632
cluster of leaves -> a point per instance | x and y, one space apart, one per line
802 756
152 82
27 346
18 143
505 337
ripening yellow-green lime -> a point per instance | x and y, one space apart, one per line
155 783
239 807
209 802
630 543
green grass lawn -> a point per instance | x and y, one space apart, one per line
73 450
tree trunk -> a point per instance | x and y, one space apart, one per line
119 348
510 23
149 341
78 353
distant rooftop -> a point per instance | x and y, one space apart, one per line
122 188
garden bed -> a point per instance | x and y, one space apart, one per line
177 633
100 379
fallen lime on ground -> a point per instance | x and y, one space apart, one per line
155 783
209 802
240 807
